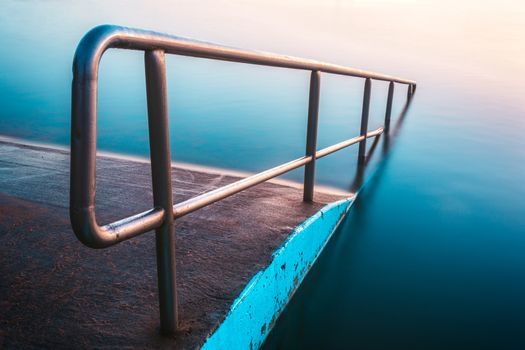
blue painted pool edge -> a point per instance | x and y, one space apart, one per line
254 312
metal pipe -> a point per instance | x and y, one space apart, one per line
159 139
388 112
338 146
207 198
311 135
100 38
195 203
364 121
127 228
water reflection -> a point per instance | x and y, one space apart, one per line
388 137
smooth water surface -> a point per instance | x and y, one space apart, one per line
431 256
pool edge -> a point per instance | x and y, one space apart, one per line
253 313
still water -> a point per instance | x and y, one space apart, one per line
431 255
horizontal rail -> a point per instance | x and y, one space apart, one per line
134 225
207 198
339 146
95 236
148 220
100 38
218 194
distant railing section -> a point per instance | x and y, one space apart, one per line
161 217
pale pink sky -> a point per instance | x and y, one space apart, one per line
476 45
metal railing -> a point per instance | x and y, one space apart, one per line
161 217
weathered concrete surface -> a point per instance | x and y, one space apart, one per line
57 293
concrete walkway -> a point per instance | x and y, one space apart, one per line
57 293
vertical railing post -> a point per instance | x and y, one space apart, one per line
311 135
388 112
162 187
364 121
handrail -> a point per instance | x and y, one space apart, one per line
84 131
208 198
99 39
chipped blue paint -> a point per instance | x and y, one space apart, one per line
254 312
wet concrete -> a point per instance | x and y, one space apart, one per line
57 293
